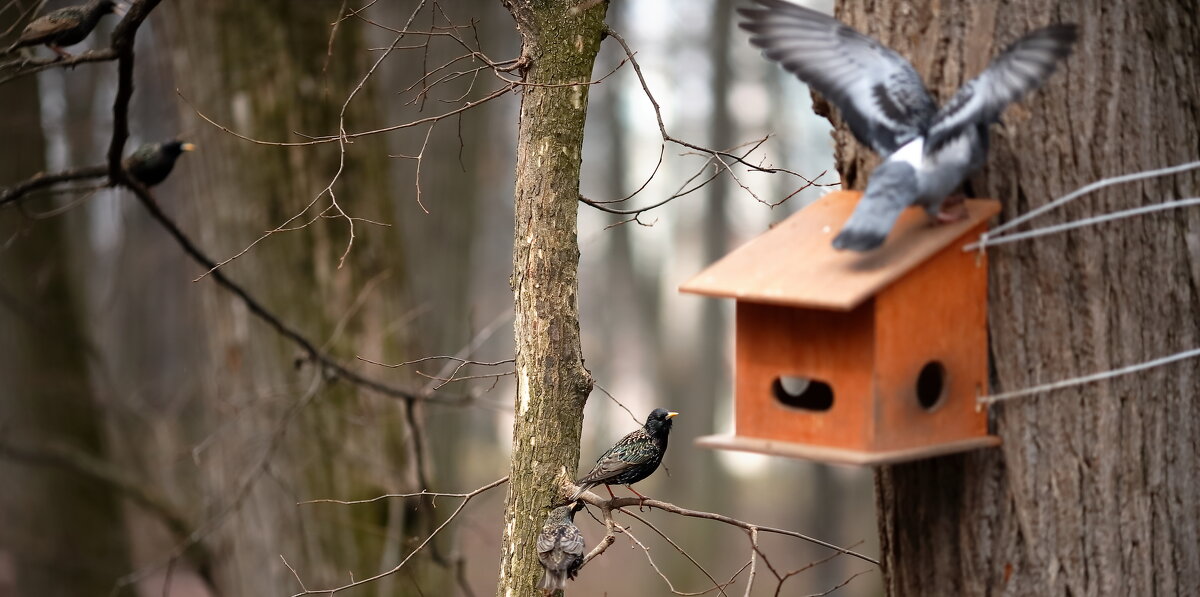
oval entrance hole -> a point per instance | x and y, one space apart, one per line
802 392
931 383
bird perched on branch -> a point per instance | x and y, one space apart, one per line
560 548
633 458
927 151
65 26
152 162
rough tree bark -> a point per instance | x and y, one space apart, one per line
1094 490
552 383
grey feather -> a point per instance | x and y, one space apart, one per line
560 547
880 96
1021 68
892 187
882 99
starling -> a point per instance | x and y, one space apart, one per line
633 458
152 162
560 548
65 26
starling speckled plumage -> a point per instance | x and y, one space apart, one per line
65 26
560 548
633 458
152 162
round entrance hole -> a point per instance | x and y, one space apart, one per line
931 383
802 392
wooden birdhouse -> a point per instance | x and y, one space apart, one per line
859 358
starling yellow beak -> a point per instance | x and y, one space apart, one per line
672 414
188 147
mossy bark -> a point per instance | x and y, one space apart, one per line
552 383
1094 490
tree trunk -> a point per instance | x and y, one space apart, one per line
1094 490
61 532
552 384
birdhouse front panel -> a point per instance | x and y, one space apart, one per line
795 367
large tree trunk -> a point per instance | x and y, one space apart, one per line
552 384
1094 491
201 402
60 530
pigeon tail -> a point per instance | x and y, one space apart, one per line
893 187
553 581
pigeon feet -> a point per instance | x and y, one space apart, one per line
954 209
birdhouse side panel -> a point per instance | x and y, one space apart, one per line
931 351
804 375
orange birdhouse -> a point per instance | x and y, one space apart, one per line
859 358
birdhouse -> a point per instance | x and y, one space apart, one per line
858 358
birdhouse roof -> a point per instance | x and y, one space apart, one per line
794 263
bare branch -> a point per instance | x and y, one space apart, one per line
619 503
466 499
42 180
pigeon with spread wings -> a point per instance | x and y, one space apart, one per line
927 151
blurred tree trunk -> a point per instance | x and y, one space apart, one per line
1094 490
552 384
61 533
208 404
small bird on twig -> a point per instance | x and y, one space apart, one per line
927 151
560 548
633 458
152 162
65 26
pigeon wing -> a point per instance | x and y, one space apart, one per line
880 96
1021 68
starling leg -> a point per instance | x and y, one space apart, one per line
642 498
60 51
953 209
611 495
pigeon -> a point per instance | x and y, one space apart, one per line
633 458
65 26
560 548
928 151
152 162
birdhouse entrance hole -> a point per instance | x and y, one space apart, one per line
802 392
930 383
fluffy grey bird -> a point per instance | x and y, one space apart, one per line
927 151
560 548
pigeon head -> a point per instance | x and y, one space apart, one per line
659 421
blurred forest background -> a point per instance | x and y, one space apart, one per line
141 411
